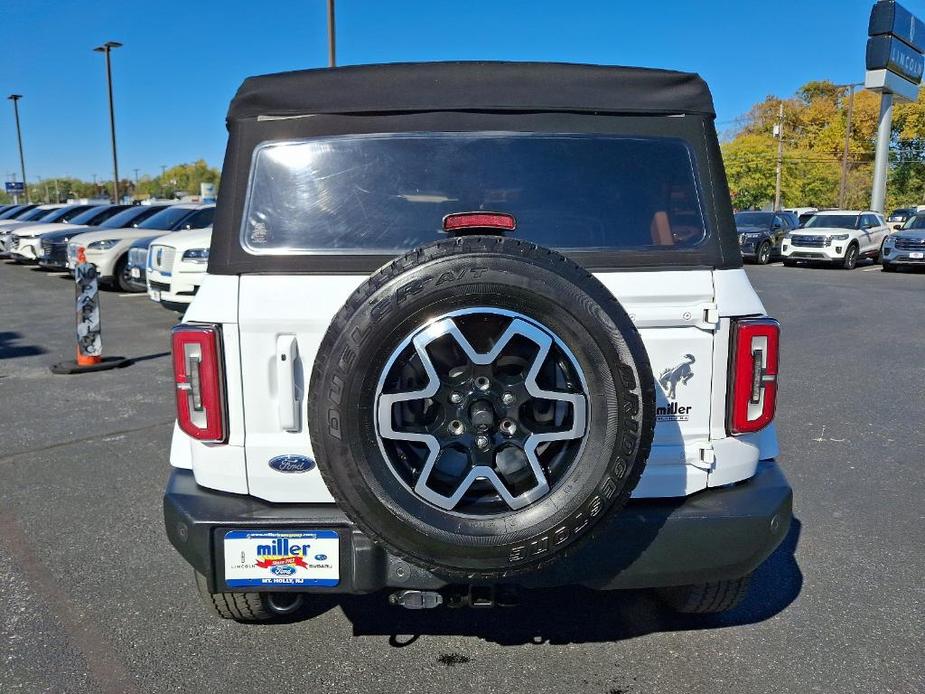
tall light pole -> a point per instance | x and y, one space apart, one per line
107 49
22 162
843 186
332 62
779 128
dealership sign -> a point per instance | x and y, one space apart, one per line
15 187
894 19
894 60
889 53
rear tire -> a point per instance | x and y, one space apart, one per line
248 607
706 598
437 513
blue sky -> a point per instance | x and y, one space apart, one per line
183 61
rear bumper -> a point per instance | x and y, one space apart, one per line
712 535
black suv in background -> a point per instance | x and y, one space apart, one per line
761 233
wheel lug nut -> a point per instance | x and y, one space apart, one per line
508 428
456 427
481 442
482 383
455 398
508 398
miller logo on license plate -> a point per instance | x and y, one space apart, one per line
259 558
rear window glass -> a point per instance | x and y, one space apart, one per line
385 194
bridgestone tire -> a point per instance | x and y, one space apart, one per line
455 275
242 607
706 598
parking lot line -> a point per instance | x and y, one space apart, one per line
134 294
777 265
870 269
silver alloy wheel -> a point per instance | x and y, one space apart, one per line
483 399
764 253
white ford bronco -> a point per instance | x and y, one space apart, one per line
469 329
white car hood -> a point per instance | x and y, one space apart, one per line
8 226
184 240
822 231
117 234
39 229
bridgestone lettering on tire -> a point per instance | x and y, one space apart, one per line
479 405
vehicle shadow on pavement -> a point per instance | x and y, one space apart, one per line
9 350
577 615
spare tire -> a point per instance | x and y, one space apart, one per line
479 405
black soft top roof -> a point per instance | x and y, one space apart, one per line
472 86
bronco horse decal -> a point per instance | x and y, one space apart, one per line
682 373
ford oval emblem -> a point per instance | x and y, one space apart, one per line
291 463
283 570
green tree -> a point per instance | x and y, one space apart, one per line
815 119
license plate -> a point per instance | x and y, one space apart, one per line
255 558
135 273
917 255
154 295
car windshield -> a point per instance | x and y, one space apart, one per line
62 214
916 222
384 194
902 212
131 217
165 219
96 215
39 214
753 219
17 212
839 221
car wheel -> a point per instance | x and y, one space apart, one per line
851 258
763 255
121 277
887 267
249 607
706 598
479 405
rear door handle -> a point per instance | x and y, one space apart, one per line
288 391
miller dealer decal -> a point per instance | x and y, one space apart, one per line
669 379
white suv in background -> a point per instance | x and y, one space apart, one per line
177 266
837 236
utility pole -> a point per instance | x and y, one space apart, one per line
332 62
843 186
107 49
779 132
136 176
22 162
57 192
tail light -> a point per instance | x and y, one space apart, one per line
755 345
199 379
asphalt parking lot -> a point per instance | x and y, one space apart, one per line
93 598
